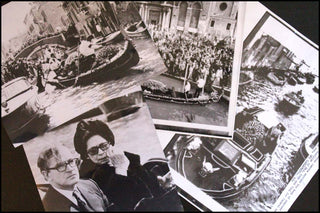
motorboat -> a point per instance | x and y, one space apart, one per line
310 78
276 79
21 112
291 102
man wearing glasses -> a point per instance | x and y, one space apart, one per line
67 192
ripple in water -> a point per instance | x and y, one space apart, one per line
262 195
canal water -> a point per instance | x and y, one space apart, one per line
210 114
64 104
265 191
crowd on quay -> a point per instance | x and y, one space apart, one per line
203 57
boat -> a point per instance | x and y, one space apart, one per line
221 167
292 81
310 78
138 30
291 102
300 78
316 89
306 147
246 77
156 90
50 40
21 113
125 58
276 78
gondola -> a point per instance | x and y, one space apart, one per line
21 113
222 168
156 90
291 102
276 78
137 30
123 60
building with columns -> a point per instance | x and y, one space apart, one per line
218 18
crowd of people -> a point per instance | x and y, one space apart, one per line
200 56
196 57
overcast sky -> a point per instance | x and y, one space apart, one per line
12 16
280 32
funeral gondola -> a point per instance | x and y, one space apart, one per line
138 30
21 112
223 168
156 90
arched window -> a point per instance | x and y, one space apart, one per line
195 15
182 14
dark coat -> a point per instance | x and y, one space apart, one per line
54 201
124 191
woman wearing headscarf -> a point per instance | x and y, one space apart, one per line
127 186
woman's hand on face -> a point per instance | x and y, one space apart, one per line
119 161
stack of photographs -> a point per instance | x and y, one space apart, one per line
273 152
71 97
139 105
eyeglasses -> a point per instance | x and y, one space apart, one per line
95 150
61 167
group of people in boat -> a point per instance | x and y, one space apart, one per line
257 134
204 58
53 62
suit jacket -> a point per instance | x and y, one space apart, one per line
54 201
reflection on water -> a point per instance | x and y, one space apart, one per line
266 190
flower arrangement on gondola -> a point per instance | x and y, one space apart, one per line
107 53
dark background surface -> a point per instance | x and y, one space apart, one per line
18 192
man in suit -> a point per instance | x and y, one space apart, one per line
66 191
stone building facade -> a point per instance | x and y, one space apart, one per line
268 52
46 17
218 18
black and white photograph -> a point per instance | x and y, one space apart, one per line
285 69
106 161
274 150
200 44
62 58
